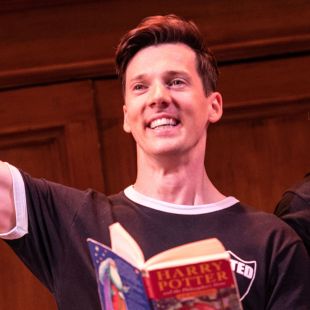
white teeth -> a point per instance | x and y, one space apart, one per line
163 122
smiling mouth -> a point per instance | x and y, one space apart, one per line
163 122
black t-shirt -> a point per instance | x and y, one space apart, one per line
294 209
270 262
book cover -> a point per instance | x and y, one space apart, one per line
205 285
192 276
120 285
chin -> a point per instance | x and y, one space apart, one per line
166 151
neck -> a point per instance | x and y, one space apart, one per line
176 180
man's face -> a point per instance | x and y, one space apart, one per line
166 109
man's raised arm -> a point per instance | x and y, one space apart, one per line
7 209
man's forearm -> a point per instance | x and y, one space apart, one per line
7 210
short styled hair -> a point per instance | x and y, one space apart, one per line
159 29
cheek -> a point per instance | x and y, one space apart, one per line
132 116
195 107
133 120
133 105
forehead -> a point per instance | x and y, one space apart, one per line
160 58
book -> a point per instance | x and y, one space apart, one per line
196 275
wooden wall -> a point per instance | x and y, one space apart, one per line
60 102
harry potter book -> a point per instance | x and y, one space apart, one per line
197 275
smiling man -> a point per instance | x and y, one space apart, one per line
169 82
167 111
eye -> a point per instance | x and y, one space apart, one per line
138 87
176 83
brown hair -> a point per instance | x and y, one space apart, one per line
159 29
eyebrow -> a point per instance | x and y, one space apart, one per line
138 77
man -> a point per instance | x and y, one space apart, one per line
294 209
169 82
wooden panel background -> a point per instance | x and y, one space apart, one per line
263 139
51 132
61 105
59 42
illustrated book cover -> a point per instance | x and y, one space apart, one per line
196 275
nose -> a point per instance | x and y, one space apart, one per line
159 95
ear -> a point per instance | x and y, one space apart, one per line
126 126
215 105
